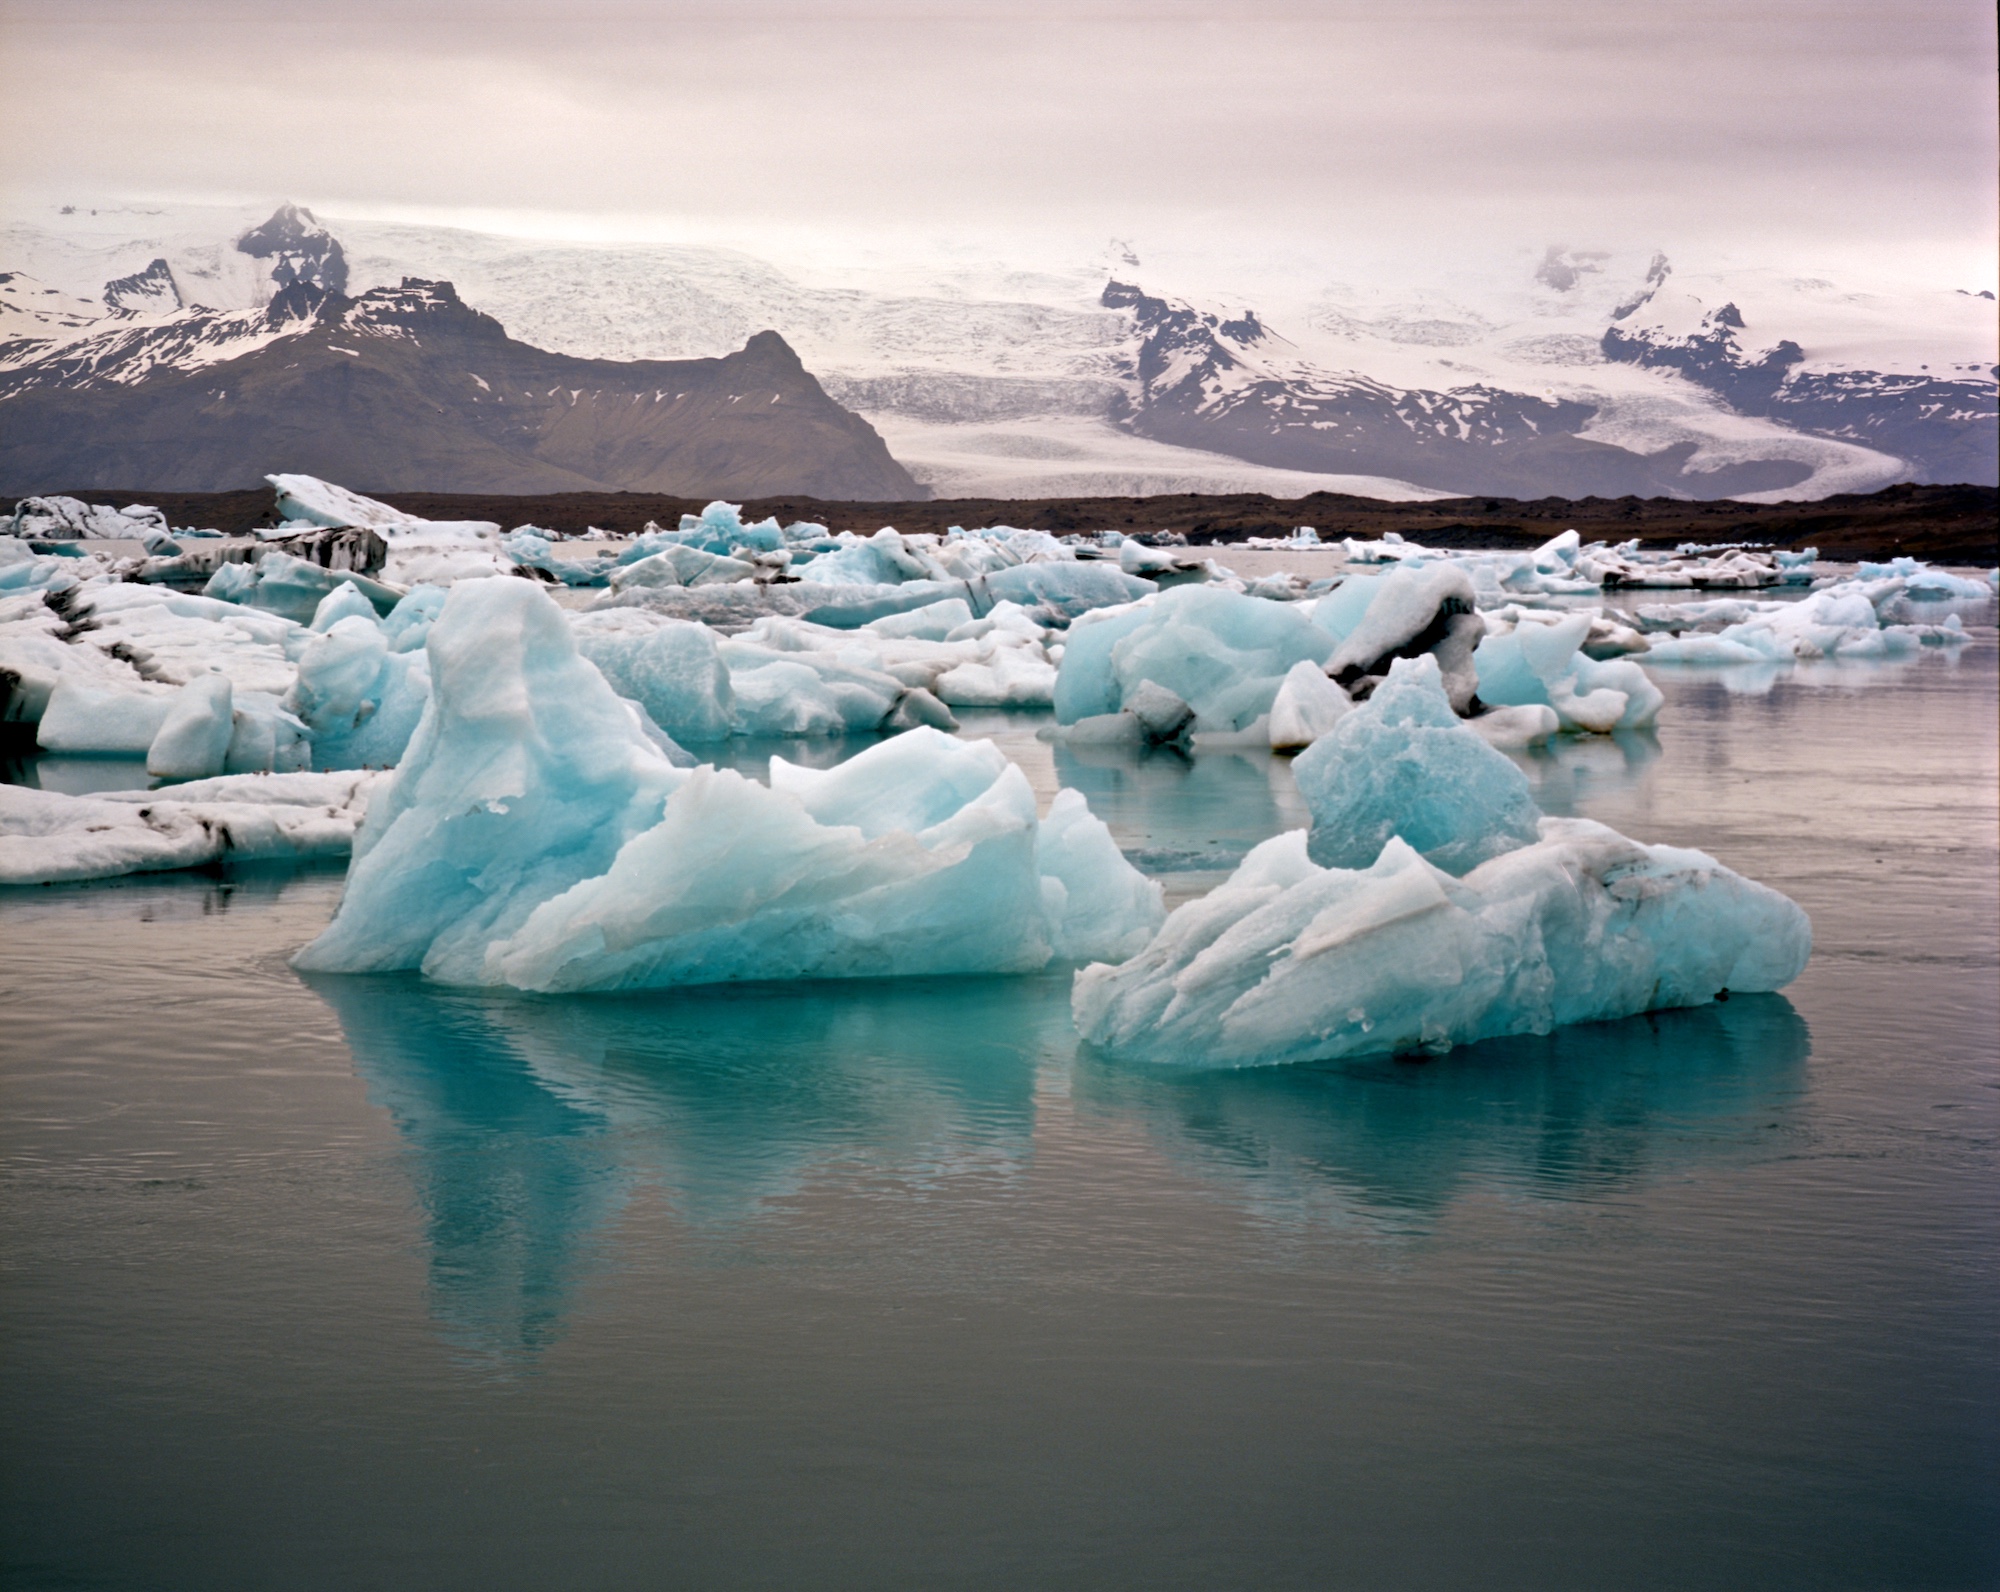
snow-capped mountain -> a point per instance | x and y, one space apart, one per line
1944 424
1235 386
987 375
401 387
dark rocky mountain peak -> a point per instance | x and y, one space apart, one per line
299 249
409 388
1656 276
152 291
1712 355
421 308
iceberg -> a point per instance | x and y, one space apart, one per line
1309 705
49 838
670 667
534 837
1539 660
1403 764
1222 653
1290 962
109 720
527 774
1427 608
1843 620
359 701
68 519
193 739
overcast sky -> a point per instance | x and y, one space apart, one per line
1781 131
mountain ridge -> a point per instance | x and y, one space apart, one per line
411 387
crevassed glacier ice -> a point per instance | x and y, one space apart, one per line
533 837
1403 764
1290 962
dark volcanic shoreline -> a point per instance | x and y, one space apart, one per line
1950 524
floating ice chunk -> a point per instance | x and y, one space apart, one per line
360 701
1308 705
343 602
1288 961
317 502
1544 663
1403 764
1222 653
1064 590
682 566
193 740
1163 718
48 838
884 559
1135 558
295 587
526 774
264 737
1428 608
932 622
68 519
670 667
533 837
1511 728
1841 620
1923 581
1001 677
95 720
1107 910
919 856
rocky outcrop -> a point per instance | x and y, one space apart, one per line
152 291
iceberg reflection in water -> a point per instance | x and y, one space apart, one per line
1573 1115
532 1122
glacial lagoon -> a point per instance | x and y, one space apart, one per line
360 1281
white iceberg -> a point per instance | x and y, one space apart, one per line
193 739
49 838
1290 962
1307 706
1844 620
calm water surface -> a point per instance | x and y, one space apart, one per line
352 1283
